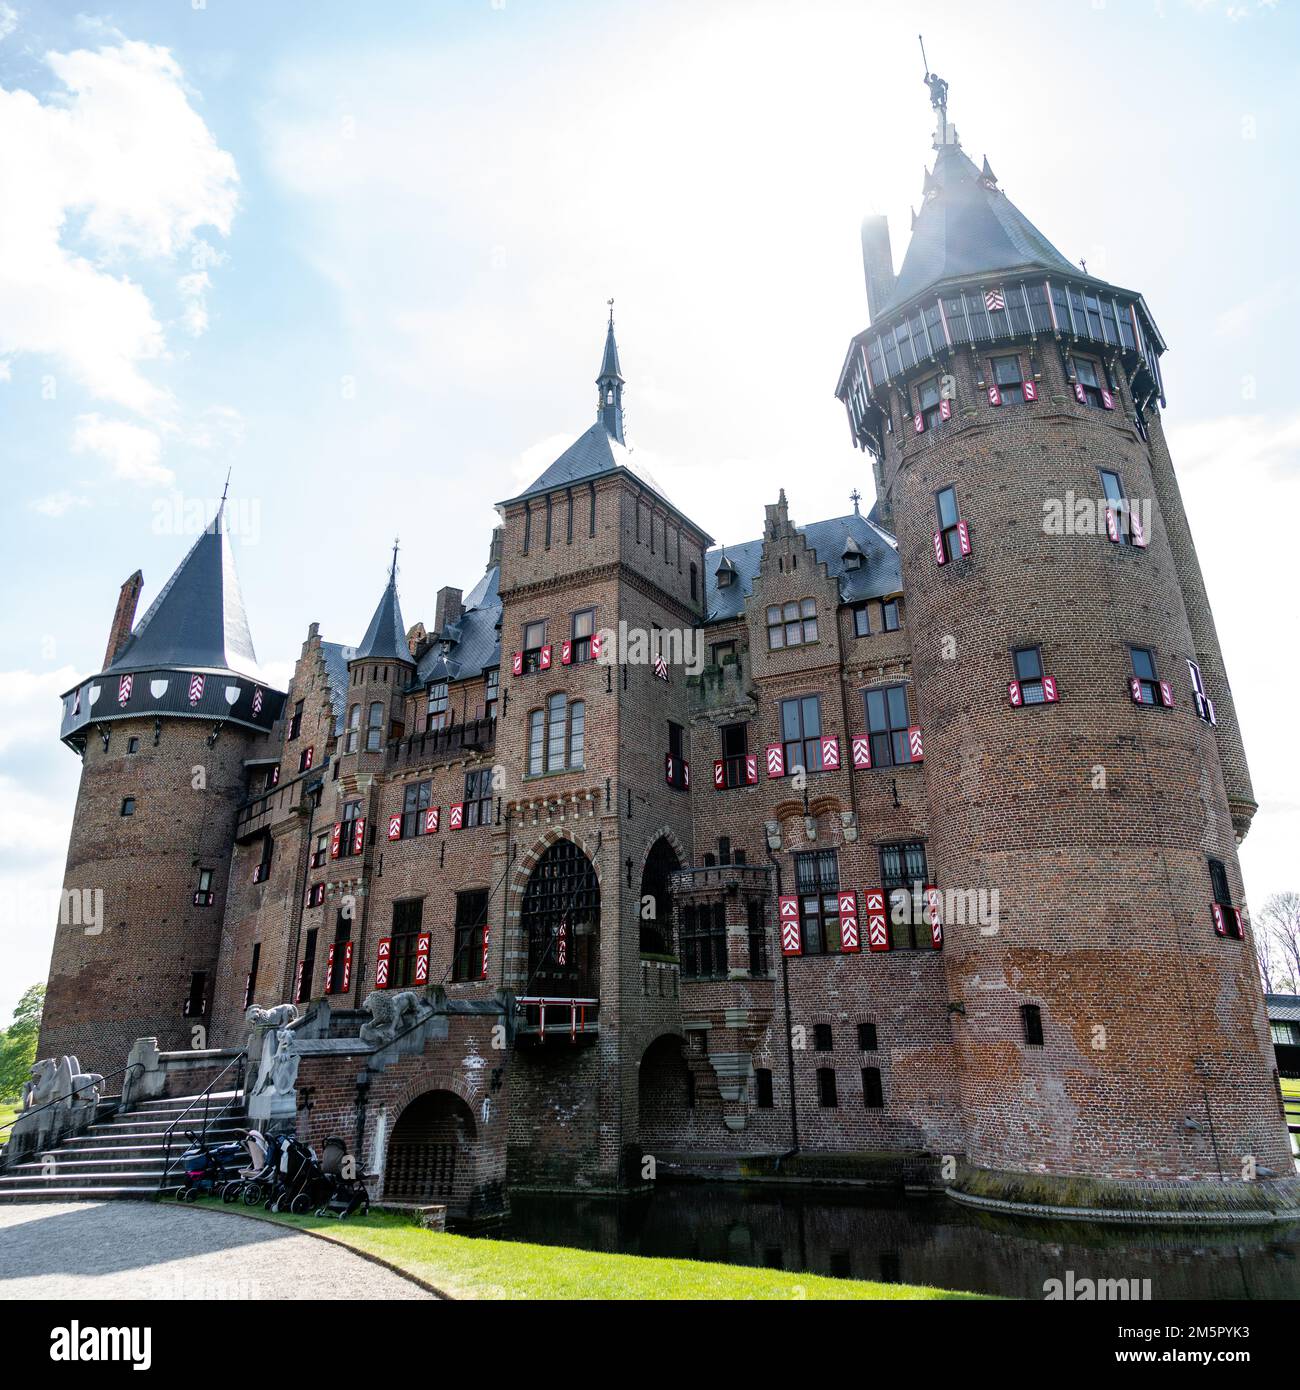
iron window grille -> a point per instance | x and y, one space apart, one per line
703 941
817 881
562 890
902 876
471 918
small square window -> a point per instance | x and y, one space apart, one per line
128 805
822 1037
763 1088
861 620
889 620
826 1094
1031 1020
873 1093
866 1037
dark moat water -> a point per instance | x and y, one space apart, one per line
912 1241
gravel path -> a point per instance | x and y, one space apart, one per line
156 1250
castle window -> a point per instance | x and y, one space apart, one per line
822 1040
347 834
866 1037
556 715
407 918
436 714
591 494
354 725
1227 920
763 1088
889 617
801 733
723 653
250 985
491 691
584 625
295 724
308 967
536 742
336 976
528 526
133 745
873 1093
817 880
471 918
1008 377
677 773
205 886
548 521
902 876
792 624
375 728
305 758
568 515
557 736
928 397
694 580
1202 702
1116 503
577 733
1028 663
702 940
1088 380
417 797
128 806
887 724
263 870
1031 1022
321 852
826 1096
196 1004
757 932
1145 685
950 524
478 797
862 620
735 748
534 641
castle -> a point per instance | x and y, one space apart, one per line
905 837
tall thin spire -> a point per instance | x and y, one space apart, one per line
609 403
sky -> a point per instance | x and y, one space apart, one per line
360 257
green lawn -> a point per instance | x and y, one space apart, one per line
8 1111
465 1267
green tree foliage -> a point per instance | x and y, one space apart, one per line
18 1043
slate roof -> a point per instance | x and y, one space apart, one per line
593 454
336 657
385 638
609 363
880 575
967 228
1283 1008
473 641
197 622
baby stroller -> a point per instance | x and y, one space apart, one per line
297 1175
208 1168
337 1195
255 1182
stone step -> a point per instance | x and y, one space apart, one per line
51 1193
126 1138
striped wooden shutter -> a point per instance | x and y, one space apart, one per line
775 760
382 961
877 921
791 938
995 396
1014 695
1050 692
395 826
1112 525
566 652
830 753
849 940
751 769
347 968
963 538
940 554
487 936
1166 694
422 943
517 663
329 970
1031 390
719 774
456 815
336 840
934 915
914 745
544 661
358 835
432 819
861 748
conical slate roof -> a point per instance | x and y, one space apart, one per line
967 226
197 622
609 363
385 638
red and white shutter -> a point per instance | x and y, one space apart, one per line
432 819
791 940
1166 695
963 538
395 826
562 943
329 970
918 423
995 396
382 961
517 663
1220 925
877 922
347 968
751 769
1107 399
336 840
775 760
1013 693
945 409
849 940
719 773
914 745
686 774
544 661
595 646
861 748
358 835
668 768
456 815
487 937
297 983
124 689
1136 531
1031 390
1080 394
422 943
1239 927
934 915
940 554
1135 689
1050 692
566 652
1112 525
308 757
830 753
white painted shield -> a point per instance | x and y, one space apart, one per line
94 694
232 694
158 689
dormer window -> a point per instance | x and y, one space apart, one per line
436 715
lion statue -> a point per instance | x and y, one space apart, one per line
40 1089
391 1012
279 1017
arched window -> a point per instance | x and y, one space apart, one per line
354 723
375 727
656 905
557 736
561 921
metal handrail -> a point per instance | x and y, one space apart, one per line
238 1060
76 1090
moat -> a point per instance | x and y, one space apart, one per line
913 1241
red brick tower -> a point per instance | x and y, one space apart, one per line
163 731
1082 755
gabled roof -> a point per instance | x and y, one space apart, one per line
197 622
880 575
385 638
471 644
967 226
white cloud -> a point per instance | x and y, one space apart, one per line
116 167
8 20
59 503
133 450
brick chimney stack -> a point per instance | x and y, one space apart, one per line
124 618
447 609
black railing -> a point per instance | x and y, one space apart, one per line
205 1096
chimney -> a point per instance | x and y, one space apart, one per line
124 618
447 608
877 263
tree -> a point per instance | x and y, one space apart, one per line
1277 936
18 1043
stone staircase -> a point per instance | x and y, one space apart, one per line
122 1156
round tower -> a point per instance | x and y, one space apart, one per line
1107 1014
163 732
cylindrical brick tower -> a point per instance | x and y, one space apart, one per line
163 732
1082 760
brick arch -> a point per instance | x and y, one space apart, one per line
421 1085
664 832
788 810
529 859
825 806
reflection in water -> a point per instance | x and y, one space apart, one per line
918 1241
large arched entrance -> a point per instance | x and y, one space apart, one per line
561 921
431 1153
656 908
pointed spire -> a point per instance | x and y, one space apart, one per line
385 638
609 402
987 177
